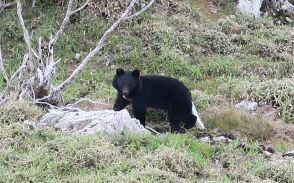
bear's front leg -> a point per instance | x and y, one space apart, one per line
140 115
139 111
120 103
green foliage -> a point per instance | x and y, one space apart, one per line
44 155
235 88
19 112
221 66
279 93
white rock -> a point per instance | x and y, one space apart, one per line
205 139
250 7
92 122
247 106
77 56
221 139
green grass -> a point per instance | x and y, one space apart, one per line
228 60
242 124
28 155
40 155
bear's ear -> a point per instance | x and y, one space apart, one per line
136 73
119 71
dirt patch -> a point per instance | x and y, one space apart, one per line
284 133
208 9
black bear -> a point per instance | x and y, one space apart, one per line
154 91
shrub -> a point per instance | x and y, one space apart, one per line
279 93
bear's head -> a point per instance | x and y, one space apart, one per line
127 83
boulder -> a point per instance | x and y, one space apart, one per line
250 7
74 120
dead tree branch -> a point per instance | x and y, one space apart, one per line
141 11
63 24
99 46
4 5
65 21
2 68
97 49
26 34
34 3
35 80
38 68
82 7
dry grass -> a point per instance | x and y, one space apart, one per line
240 123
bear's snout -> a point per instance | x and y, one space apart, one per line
125 92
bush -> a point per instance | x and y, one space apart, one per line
19 112
279 93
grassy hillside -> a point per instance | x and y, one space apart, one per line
222 58
31 155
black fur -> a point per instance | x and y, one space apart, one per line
154 91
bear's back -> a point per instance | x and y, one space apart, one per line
160 91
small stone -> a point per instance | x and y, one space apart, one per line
247 106
221 139
205 139
77 56
288 19
267 154
289 154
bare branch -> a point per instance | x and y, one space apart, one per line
152 130
92 53
26 34
65 21
34 4
40 52
4 5
84 99
46 103
98 47
2 68
63 24
8 84
81 8
141 11
23 91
